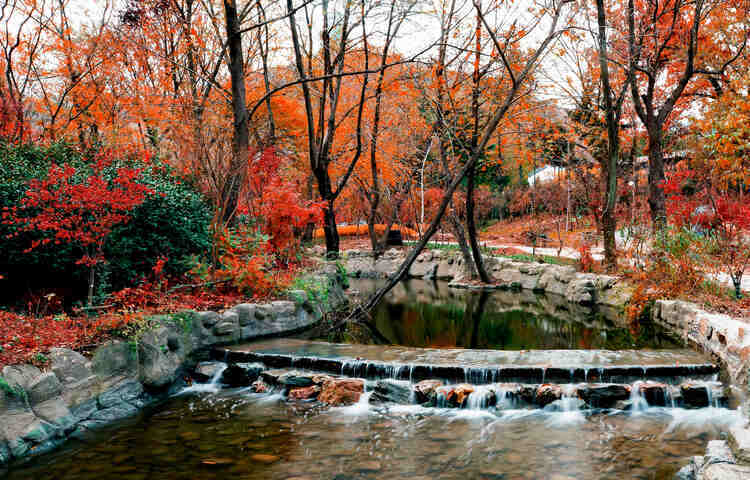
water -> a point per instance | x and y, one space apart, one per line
419 313
220 435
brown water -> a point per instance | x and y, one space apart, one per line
216 435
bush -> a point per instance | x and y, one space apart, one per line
172 222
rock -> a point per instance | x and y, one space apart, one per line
655 393
320 379
69 366
259 386
264 458
245 313
295 380
724 471
694 395
55 412
426 391
208 319
114 357
44 387
546 394
718 451
341 391
242 374
603 396
394 391
581 290
205 371
228 326
159 365
128 391
739 441
306 393
20 376
685 473
454 395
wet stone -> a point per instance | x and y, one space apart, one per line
603 396
694 395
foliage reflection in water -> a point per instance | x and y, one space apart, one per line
420 313
235 434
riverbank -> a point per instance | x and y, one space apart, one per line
40 410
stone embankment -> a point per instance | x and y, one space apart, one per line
39 409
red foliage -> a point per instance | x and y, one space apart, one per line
277 204
76 211
12 124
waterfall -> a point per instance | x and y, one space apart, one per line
638 402
480 398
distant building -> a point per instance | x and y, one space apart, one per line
545 174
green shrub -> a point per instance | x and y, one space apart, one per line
173 223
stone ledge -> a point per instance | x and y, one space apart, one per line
78 394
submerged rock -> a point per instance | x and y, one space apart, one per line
205 371
341 391
394 391
426 391
694 395
259 386
242 374
656 394
454 395
603 396
546 394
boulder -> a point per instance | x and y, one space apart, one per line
205 371
603 396
43 387
454 395
655 393
208 319
114 357
546 394
242 374
426 391
341 391
307 393
158 363
69 366
20 376
694 395
394 391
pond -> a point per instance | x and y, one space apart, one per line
211 431
419 313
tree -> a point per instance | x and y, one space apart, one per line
657 32
518 73
79 208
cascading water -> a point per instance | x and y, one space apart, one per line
638 402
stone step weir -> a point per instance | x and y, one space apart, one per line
306 385
476 367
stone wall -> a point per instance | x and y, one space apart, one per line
725 338
580 288
39 410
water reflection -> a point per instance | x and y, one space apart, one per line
420 313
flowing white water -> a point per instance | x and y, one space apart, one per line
638 402
213 385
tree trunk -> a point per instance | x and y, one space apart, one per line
656 179
331 232
240 131
472 228
458 231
